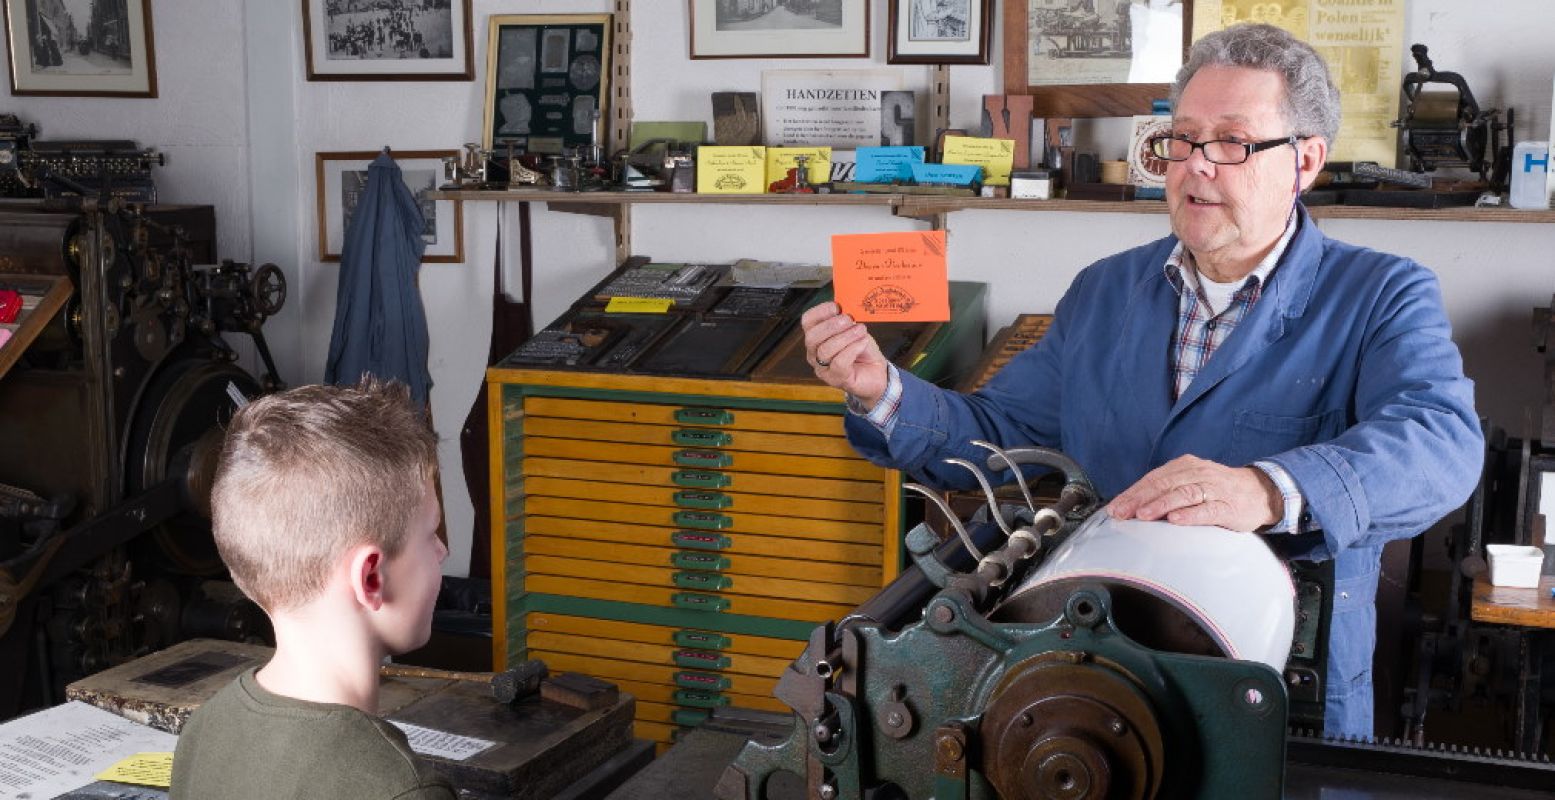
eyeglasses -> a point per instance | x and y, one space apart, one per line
1216 151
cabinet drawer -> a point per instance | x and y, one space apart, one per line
692 698
809 551
658 654
612 669
714 479
722 500
665 455
710 416
784 649
712 603
727 563
699 580
828 530
746 441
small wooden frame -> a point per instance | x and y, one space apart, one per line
1076 100
420 170
52 292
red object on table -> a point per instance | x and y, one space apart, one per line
10 305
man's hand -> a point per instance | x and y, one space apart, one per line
843 353
1191 491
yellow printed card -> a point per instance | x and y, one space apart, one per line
639 305
782 159
731 170
995 156
142 769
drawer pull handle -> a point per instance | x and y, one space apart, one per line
696 698
702 581
704 416
702 520
702 681
689 498
701 541
705 561
701 640
703 458
700 479
699 602
700 659
701 438
689 718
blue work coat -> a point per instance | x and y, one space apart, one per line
1344 373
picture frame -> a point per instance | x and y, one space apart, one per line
1084 87
799 29
340 177
53 55
939 31
547 81
395 40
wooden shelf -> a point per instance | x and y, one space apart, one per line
928 206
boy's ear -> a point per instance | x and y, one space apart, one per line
367 576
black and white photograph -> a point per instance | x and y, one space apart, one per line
939 20
422 183
342 178
389 29
738 15
81 47
779 28
940 31
388 39
546 81
1103 41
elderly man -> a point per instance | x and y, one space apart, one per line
1246 372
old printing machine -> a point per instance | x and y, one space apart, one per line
114 377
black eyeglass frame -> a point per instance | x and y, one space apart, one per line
1248 148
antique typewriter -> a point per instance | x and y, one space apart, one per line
32 168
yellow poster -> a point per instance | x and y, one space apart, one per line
782 159
731 170
1363 43
995 156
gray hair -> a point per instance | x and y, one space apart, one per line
1311 103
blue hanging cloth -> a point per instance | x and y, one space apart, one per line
380 325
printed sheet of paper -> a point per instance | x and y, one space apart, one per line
995 156
142 769
431 742
1363 43
731 170
891 277
58 749
813 108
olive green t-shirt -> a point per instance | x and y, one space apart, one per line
246 742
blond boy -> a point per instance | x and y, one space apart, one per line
324 511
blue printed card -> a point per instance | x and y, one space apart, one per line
953 174
886 164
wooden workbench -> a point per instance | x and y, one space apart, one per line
1533 608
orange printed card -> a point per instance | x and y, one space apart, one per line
891 277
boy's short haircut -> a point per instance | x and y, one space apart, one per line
307 473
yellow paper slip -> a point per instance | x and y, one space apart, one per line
731 170
142 769
782 159
995 156
638 305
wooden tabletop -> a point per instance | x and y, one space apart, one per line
1533 608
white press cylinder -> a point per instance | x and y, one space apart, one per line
1230 585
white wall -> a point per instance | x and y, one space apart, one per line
240 124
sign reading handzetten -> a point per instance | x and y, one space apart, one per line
824 108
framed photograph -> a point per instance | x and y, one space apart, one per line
342 177
772 29
75 48
388 40
1094 58
547 81
940 31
